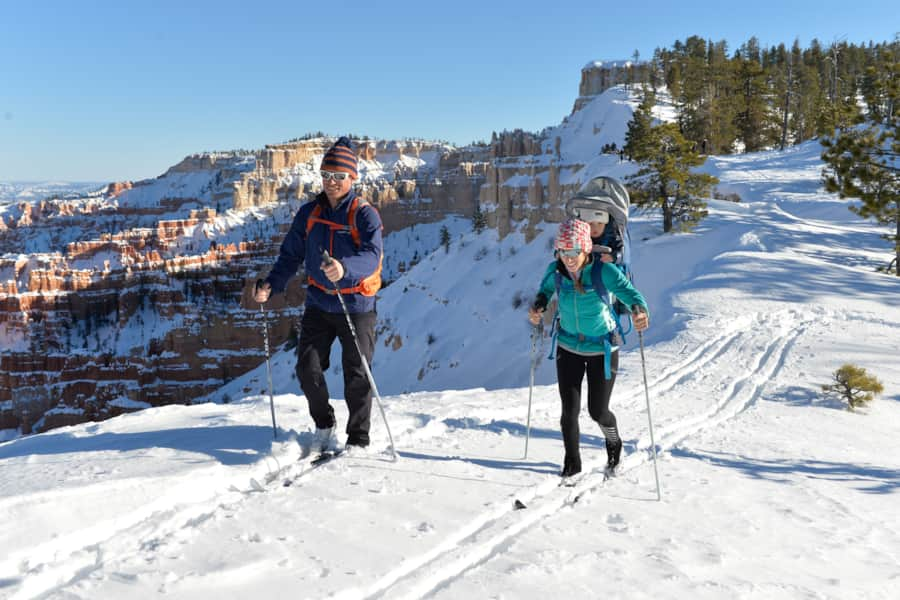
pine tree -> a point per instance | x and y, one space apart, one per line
479 221
786 82
842 111
638 135
854 385
863 161
752 118
665 179
693 101
722 133
445 239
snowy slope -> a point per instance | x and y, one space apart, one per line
768 489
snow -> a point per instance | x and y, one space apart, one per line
16 191
128 403
769 489
609 64
603 120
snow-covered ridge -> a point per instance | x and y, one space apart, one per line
14 191
610 64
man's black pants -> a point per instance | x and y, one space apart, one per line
318 329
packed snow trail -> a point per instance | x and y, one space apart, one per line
481 534
474 545
158 545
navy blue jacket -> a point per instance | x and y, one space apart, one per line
610 238
358 263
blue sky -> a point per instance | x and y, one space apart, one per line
97 91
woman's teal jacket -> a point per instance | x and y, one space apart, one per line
584 318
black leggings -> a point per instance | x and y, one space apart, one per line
570 369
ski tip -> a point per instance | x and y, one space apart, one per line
325 457
571 480
519 505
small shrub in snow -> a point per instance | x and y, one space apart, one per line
853 385
431 339
518 300
481 253
479 221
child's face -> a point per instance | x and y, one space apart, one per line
597 228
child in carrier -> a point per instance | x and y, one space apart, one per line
586 329
608 245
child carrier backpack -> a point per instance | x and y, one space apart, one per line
606 199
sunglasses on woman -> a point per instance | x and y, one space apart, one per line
569 253
328 175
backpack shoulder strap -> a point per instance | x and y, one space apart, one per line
597 281
313 217
606 297
358 203
351 219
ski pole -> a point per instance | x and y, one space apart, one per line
365 363
269 369
649 418
537 332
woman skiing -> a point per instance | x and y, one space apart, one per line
587 339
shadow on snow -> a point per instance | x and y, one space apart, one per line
870 479
230 445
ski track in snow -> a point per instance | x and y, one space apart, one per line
54 565
49 569
491 533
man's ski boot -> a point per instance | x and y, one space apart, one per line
324 441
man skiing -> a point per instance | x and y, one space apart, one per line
586 341
348 228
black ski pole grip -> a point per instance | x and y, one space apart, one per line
326 258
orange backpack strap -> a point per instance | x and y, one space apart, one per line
371 284
313 218
351 218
